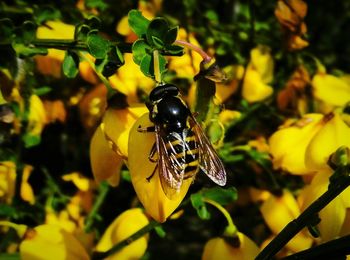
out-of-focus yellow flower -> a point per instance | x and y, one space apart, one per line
218 248
226 117
122 227
129 79
278 211
7 181
333 215
51 63
334 133
37 116
288 145
48 241
330 89
82 183
109 145
259 73
26 192
150 192
55 111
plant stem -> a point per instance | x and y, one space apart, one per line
103 190
231 229
205 56
306 218
102 255
157 74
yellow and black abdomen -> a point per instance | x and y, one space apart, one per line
182 149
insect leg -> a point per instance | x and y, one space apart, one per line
154 171
148 129
152 153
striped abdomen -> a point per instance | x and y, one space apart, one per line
182 149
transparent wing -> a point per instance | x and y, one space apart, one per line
209 160
170 171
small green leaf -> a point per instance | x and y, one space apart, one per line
93 22
27 32
139 49
70 65
23 50
199 205
45 13
100 4
42 91
171 35
6 30
31 140
157 42
8 256
160 231
157 29
220 195
81 32
110 63
146 65
138 23
98 46
175 50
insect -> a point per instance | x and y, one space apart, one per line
181 146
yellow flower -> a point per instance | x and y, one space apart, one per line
37 116
48 241
129 79
259 73
26 192
327 140
109 144
331 89
333 215
7 181
227 117
278 211
51 63
150 192
218 248
288 145
80 181
122 227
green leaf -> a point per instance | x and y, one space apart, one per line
157 29
23 50
31 140
70 65
146 65
7 211
45 13
157 42
138 23
171 35
27 32
42 91
198 203
98 46
220 195
6 30
175 50
139 49
100 4
81 32
160 231
110 63
93 22
8 256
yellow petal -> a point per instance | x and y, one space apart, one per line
278 211
123 26
80 181
122 227
333 215
334 133
227 117
331 89
37 116
118 123
26 192
105 163
150 193
46 241
262 62
7 181
288 145
217 248
254 89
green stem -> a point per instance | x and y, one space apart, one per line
231 229
90 219
20 228
306 218
140 233
157 74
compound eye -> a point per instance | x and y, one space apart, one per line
164 90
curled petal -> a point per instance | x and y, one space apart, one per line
122 227
105 163
150 192
254 89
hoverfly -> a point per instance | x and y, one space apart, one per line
182 147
